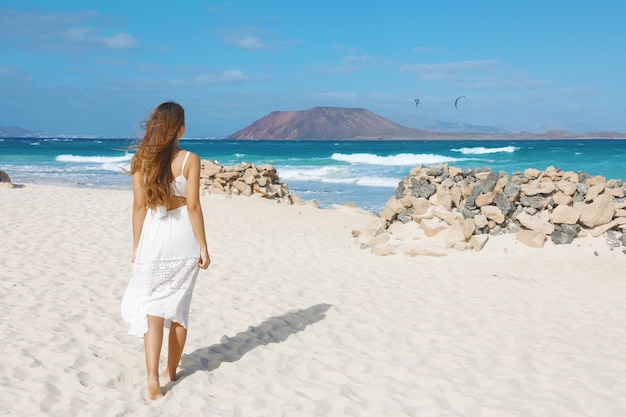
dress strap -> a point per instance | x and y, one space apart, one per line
182 169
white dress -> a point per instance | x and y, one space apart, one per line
165 268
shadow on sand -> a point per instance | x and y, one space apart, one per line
231 349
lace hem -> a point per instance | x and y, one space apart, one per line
158 276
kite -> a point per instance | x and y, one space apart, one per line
457 100
417 102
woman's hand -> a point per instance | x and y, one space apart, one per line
205 260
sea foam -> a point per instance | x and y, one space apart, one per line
401 159
481 150
105 163
334 174
94 159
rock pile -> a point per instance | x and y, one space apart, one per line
244 179
467 206
5 179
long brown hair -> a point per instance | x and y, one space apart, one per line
153 156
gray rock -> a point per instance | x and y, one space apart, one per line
583 176
512 189
564 234
613 239
496 231
560 238
400 190
536 201
513 227
435 171
489 183
406 216
471 200
470 214
503 203
422 188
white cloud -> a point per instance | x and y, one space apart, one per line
253 39
157 77
225 77
450 70
88 36
353 62
503 80
15 74
477 75
120 41
250 43
58 31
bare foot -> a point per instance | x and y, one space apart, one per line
169 376
154 389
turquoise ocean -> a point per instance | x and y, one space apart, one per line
332 172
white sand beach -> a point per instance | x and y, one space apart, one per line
293 319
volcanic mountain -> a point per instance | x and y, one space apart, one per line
330 123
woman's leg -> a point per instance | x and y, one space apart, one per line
177 338
152 340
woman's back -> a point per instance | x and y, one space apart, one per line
179 184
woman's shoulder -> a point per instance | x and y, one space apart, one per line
189 156
184 155
189 160
185 152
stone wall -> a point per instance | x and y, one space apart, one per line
467 206
244 179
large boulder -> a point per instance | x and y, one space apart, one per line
565 214
493 213
599 212
535 222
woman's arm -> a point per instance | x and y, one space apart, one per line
139 210
194 208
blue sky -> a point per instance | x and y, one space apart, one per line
98 67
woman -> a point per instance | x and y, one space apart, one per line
169 243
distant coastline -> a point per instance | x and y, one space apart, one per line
337 123
334 123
